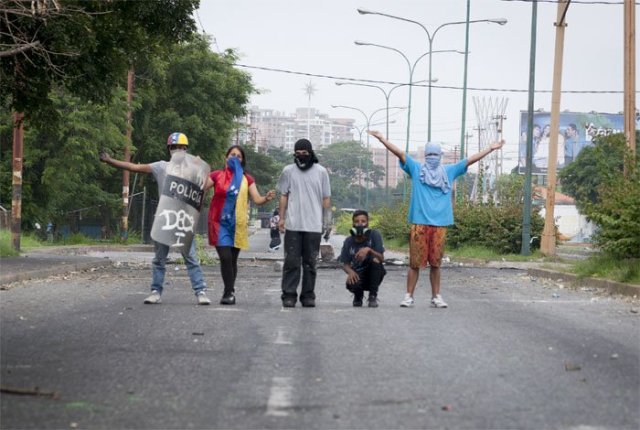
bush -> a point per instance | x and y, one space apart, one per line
618 216
393 224
494 227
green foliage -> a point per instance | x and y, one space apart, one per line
393 224
264 169
510 189
498 228
192 90
86 47
479 252
204 256
350 167
594 166
609 267
597 181
344 222
618 216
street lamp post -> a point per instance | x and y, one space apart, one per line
430 37
387 95
412 68
367 120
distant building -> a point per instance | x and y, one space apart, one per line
266 128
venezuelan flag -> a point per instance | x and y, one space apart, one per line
228 213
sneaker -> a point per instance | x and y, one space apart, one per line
357 301
373 301
228 299
202 298
407 302
437 302
153 298
308 303
289 302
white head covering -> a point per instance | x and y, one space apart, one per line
432 172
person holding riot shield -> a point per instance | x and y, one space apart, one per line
228 215
181 185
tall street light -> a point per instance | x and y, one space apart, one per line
411 68
367 120
387 95
430 37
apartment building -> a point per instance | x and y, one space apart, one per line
267 127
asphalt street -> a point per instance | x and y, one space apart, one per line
511 351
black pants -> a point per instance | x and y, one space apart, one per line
370 279
275 238
228 267
301 248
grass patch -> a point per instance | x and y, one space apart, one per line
26 241
608 267
483 253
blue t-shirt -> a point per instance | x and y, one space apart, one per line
429 205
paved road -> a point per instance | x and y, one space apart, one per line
510 352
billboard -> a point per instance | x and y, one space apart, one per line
576 131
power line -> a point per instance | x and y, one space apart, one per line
446 87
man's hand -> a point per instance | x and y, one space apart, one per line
281 224
352 278
376 134
497 145
104 157
362 253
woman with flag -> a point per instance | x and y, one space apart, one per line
228 215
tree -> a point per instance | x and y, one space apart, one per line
606 196
348 164
192 90
84 47
595 165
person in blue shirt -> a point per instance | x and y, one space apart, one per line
362 257
430 210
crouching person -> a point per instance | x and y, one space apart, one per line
362 257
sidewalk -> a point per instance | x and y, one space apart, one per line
54 261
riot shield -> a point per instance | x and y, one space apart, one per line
180 201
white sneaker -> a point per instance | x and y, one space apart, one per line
153 298
407 302
203 299
437 302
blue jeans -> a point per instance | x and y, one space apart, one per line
191 261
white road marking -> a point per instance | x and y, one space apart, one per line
280 397
281 337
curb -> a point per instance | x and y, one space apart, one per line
59 268
612 287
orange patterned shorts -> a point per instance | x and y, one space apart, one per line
426 245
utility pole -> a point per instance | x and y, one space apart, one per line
630 76
124 222
548 242
16 179
526 211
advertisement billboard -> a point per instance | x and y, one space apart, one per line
576 131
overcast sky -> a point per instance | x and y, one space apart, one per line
317 37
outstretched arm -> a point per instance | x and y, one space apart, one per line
140 168
259 199
480 155
390 146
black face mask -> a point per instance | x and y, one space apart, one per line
303 162
359 230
